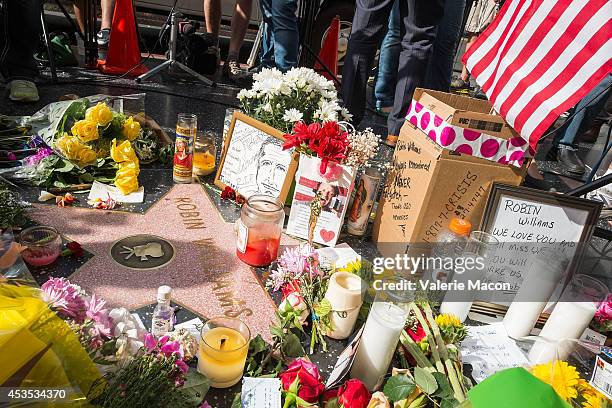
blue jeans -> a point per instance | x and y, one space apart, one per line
388 61
280 38
440 65
586 111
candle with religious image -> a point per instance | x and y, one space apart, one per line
223 350
186 128
361 207
380 337
569 319
345 294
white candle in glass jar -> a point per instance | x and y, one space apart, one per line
533 295
378 342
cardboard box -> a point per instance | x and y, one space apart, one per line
428 184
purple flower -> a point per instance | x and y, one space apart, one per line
96 312
300 259
163 339
150 342
65 298
182 366
41 153
205 405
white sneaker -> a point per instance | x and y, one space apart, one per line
23 91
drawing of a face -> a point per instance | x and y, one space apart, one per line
271 170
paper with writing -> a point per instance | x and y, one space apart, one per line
340 256
193 326
488 349
102 191
261 392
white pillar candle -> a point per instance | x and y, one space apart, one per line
567 321
378 342
532 297
345 294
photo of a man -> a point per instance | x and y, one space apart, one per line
331 199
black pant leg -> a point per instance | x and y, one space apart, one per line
19 36
369 27
420 20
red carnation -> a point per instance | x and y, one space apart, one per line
228 193
353 394
310 385
416 335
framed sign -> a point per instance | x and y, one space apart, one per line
525 220
253 160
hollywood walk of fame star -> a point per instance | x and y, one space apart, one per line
205 274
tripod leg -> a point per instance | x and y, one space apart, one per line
153 71
195 74
48 45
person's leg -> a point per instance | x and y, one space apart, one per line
266 58
369 26
465 75
108 8
18 40
565 143
212 16
420 20
240 23
78 7
285 34
388 60
440 65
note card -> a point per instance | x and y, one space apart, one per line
261 392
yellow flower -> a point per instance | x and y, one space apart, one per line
76 151
126 178
561 376
592 401
131 129
448 320
99 114
86 130
123 152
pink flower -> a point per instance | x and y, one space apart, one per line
170 348
604 313
41 153
205 405
150 342
300 259
99 315
182 366
163 339
65 298
334 170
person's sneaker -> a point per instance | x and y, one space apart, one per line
233 73
459 83
23 91
103 37
567 157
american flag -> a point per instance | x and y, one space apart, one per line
538 58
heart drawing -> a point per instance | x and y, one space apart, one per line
327 235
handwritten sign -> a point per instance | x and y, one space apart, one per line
526 221
253 160
488 349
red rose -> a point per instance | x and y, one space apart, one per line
353 394
228 193
310 385
75 248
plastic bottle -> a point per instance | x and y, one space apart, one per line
163 315
450 244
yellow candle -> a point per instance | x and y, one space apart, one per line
203 163
222 355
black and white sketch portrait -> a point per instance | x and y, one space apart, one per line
255 162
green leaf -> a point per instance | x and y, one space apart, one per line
444 388
195 388
332 403
420 402
295 385
292 347
323 308
425 381
257 345
398 387
64 166
237 401
449 403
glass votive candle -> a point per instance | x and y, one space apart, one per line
223 350
205 154
43 245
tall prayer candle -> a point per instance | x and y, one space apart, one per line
533 295
568 320
378 342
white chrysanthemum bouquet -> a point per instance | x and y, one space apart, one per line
280 100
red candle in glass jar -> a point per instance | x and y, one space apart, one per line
259 230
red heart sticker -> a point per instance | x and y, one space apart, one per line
327 235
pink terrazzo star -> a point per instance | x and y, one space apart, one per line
205 274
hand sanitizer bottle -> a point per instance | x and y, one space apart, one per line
163 315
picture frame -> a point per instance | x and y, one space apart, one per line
252 160
584 212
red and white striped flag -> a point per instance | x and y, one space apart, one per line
538 58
